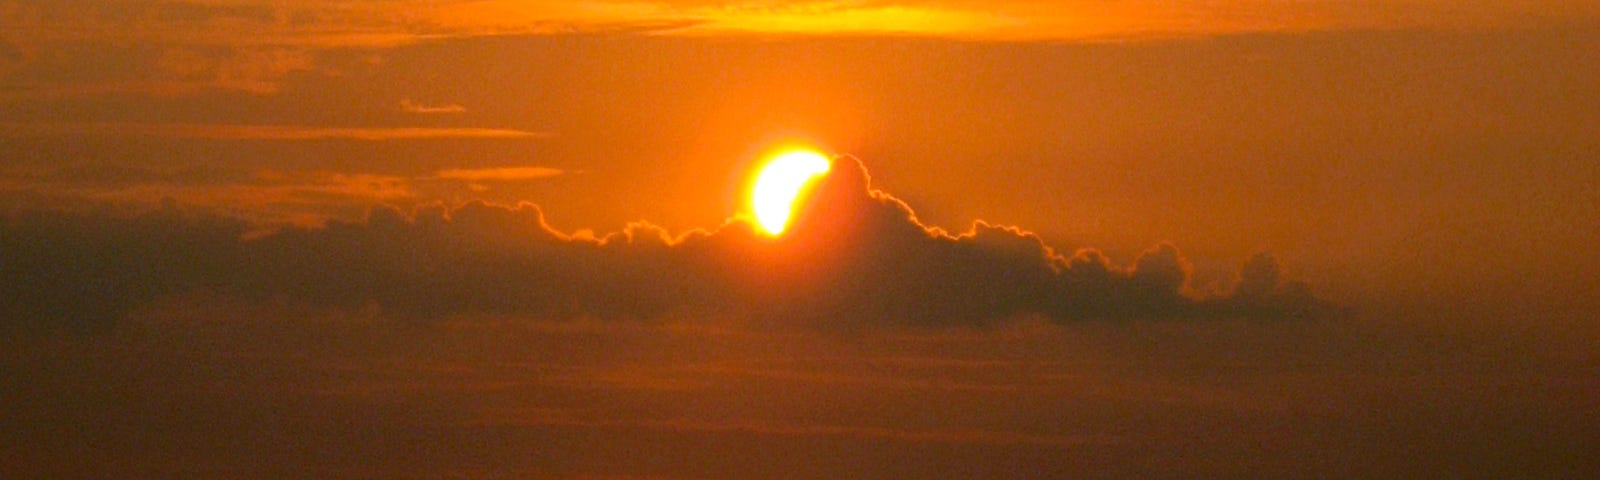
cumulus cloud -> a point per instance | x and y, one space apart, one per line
854 256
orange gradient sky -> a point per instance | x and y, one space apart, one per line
491 239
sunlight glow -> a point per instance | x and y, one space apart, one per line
780 183
844 18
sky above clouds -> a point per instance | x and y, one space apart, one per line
501 239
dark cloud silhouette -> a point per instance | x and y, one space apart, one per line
1258 277
853 256
63 269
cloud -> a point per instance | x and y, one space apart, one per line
588 396
255 70
265 198
203 131
174 48
478 179
308 23
177 48
499 174
377 24
854 256
408 107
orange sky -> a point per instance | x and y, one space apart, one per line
1428 166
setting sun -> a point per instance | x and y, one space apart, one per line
778 185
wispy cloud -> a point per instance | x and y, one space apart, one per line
204 131
378 24
499 174
266 197
409 107
252 46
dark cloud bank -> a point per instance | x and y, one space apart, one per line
853 256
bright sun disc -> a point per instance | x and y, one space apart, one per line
779 184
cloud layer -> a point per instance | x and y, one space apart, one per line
190 131
854 256
187 47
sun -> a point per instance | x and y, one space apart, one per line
779 184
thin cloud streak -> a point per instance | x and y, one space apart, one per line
249 41
387 24
265 197
499 174
200 131
409 107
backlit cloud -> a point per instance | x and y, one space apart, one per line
855 256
